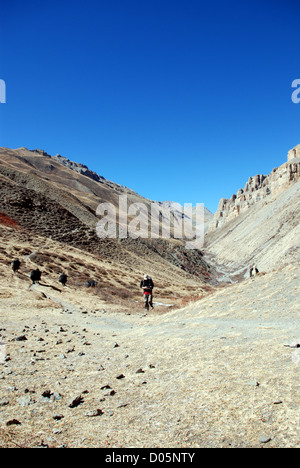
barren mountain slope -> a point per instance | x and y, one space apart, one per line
261 224
52 199
65 182
267 234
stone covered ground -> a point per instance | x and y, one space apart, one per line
221 372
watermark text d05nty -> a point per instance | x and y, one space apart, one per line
2 92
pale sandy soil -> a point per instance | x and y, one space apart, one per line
218 373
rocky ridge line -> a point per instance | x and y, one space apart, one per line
257 188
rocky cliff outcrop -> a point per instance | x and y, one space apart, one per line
77 167
257 188
260 225
294 153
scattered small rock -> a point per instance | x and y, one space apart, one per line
74 402
296 344
38 358
4 402
25 400
13 422
56 431
42 445
93 414
56 396
254 383
265 439
123 405
105 387
21 338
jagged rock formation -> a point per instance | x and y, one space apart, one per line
80 168
260 224
294 153
258 188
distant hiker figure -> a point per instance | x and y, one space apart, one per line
91 283
15 264
63 279
35 276
147 286
253 271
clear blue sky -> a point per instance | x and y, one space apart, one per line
179 100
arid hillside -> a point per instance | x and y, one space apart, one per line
260 225
55 199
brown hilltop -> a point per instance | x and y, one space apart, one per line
55 199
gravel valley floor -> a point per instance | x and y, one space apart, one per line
222 372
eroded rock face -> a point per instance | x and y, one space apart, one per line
294 153
258 188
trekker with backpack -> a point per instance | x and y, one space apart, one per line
15 265
147 286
